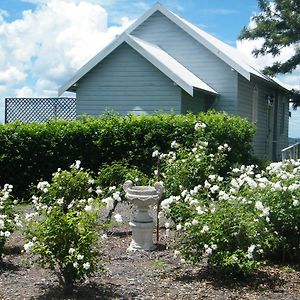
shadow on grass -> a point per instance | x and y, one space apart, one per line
259 280
89 292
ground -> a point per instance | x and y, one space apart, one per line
143 275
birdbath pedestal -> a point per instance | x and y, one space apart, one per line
142 223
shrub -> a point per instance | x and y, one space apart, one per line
238 222
8 219
110 180
282 197
184 168
62 230
32 152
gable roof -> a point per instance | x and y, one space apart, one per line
167 64
230 55
155 55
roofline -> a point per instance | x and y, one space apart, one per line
125 37
210 46
177 20
132 43
273 82
92 63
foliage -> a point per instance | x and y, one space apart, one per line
185 168
295 96
110 180
278 24
234 222
32 152
62 230
283 199
8 219
117 173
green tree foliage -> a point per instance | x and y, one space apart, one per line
278 24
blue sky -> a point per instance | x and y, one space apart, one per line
43 42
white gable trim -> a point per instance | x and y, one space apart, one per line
169 66
160 59
92 63
188 29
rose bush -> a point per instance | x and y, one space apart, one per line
8 218
63 230
184 168
233 222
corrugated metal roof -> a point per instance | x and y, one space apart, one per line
155 55
174 66
230 55
167 64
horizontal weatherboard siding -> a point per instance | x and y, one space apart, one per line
126 82
159 30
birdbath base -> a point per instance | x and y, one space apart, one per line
142 236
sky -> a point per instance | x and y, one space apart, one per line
44 42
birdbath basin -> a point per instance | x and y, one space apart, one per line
142 223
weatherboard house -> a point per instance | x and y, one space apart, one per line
164 63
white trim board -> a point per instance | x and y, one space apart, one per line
156 56
230 55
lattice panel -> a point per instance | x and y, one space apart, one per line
39 109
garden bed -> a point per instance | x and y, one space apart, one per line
143 275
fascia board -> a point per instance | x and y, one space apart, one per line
205 42
92 63
143 18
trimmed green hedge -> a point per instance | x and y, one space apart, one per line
30 152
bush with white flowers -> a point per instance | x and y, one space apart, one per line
184 168
235 222
63 229
8 219
110 180
277 196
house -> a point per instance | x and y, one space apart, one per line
164 63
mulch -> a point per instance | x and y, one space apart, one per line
143 275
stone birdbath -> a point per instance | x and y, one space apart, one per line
142 223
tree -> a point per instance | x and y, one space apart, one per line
278 24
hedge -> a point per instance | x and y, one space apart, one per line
30 152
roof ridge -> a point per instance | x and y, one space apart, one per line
240 62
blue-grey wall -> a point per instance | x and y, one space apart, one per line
126 82
268 125
159 30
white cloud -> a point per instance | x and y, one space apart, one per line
12 74
41 50
25 92
141 5
3 14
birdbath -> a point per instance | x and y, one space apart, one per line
142 223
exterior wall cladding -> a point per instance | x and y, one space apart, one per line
126 82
